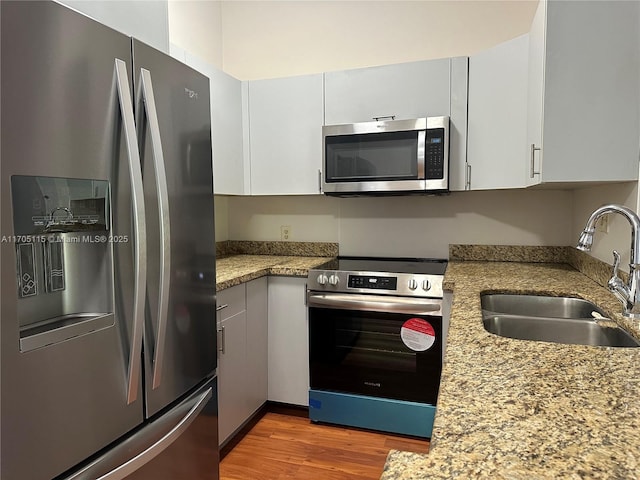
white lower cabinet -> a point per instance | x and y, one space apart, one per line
257 372
242 354
288 341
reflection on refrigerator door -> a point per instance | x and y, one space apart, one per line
106 371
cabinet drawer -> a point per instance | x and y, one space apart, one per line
231 301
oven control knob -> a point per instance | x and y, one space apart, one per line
322 279
413 284
426 285
333 280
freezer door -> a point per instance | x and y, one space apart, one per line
182 443
174 131
70 377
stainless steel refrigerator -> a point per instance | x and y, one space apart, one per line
107 320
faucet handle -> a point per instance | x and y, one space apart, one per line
616 263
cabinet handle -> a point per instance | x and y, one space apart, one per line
320 180
533 168
221 307
468 186
221 349
384 117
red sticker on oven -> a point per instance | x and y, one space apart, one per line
418 334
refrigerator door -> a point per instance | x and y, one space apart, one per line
174 130
180 444
71 378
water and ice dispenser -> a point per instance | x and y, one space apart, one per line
64 266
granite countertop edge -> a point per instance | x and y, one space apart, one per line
234 270
528 410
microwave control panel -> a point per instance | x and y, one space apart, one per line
434 154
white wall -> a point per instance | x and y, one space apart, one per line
586 200
408 226
261 39
147 20
264 39
221 218
196 26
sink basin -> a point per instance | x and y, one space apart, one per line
551 319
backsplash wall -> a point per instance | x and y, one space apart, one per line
586 200
408 226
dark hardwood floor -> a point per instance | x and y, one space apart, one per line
291 447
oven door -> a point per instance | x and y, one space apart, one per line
373 345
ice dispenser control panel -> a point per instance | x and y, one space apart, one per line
45 209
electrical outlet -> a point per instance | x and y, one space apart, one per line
602 225
285 232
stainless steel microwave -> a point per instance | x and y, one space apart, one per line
386 157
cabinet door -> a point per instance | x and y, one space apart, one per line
406 90
232 347
498 116
288 341
226 126
231 375
257 344
285 135
535 89
584 72
226 131
591 91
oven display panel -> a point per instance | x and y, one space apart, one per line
373 282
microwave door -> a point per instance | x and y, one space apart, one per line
375 162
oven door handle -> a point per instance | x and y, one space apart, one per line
376 303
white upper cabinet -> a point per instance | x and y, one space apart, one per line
148 21
427 88
285 135
583 94
404 91
229 169
496 143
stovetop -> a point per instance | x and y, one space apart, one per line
427 266
415 277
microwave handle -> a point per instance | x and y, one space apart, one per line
384 117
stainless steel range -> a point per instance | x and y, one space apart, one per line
376 339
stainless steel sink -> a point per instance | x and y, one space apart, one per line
551 319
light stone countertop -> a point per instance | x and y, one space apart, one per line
236 269
515 409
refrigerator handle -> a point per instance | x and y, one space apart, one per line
140 244
147 101
122 454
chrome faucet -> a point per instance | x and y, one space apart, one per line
628 293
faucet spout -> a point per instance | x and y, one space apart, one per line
628 294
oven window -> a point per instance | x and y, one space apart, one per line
363 353
372 343
379 157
